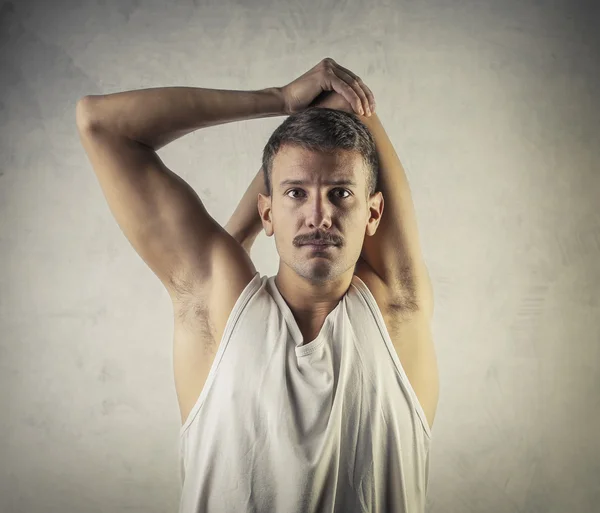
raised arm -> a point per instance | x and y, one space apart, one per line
244 225
159 213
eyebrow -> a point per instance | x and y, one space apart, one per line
326 182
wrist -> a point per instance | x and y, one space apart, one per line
277 92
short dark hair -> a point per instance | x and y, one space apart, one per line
324 130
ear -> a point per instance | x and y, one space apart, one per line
264 211
375 208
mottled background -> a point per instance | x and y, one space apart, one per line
493 108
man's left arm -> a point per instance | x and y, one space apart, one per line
394 251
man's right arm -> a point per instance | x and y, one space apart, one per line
159 213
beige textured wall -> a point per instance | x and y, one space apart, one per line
493 108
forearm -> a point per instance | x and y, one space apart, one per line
245 224
158 116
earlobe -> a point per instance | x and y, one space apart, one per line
372 228
268 227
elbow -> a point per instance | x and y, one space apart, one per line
84 116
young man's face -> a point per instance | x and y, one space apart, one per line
299 213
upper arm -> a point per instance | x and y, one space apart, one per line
159 213
394 251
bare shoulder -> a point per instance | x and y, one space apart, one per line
201 307
410 332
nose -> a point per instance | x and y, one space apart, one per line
319 214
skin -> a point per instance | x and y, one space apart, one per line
313 281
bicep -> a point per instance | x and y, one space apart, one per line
159 213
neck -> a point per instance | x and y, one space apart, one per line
311 302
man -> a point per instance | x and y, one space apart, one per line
314 390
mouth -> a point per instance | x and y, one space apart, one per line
318 246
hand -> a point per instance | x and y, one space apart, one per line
327 76
332 100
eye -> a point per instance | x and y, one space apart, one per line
338 189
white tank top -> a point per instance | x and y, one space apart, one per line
280 427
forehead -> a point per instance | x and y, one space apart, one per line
297 165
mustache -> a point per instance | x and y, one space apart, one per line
325 239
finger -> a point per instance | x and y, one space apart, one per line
347 91
362 100
363 86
